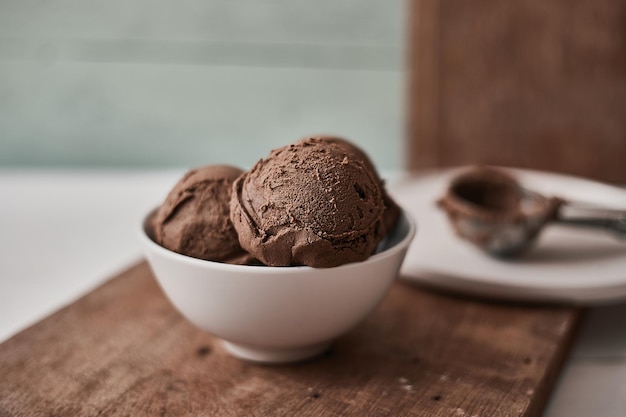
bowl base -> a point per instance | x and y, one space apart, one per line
274 355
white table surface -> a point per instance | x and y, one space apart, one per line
64 232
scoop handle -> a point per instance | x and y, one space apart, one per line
613 221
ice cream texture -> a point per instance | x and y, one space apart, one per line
392 210
194 219
314 202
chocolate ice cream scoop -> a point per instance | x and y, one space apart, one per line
195 218
489 208
392 210
309 203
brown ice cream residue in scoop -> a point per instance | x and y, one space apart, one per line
489 208
483 192
195 221
310 203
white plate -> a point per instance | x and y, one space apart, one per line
566 265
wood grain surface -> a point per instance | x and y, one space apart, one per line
524 83
122 350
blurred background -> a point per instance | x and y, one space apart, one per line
135 83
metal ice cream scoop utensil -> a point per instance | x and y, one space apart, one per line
490 209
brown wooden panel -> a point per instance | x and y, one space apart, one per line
529 83
122 350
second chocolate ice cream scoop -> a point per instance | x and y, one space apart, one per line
194 219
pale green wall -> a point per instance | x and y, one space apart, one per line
183 83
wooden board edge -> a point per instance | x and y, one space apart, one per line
126 270
546 386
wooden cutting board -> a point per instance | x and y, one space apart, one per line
122 350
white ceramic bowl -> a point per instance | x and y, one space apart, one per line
278 314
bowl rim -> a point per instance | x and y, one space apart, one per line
264 269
